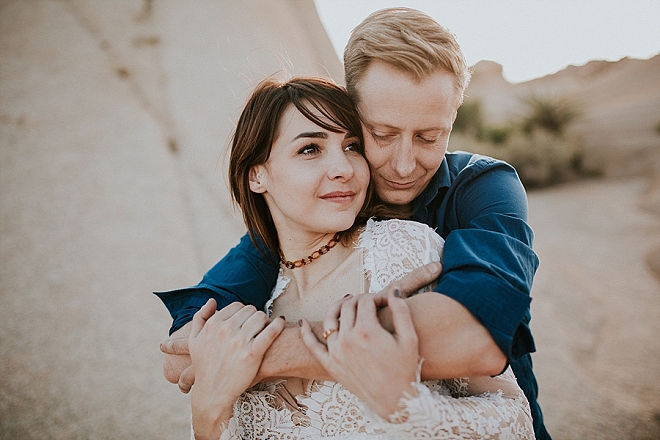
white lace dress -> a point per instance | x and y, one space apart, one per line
447 409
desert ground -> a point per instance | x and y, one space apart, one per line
113 118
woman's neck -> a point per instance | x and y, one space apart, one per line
296 248
299 246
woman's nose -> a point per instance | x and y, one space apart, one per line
341 167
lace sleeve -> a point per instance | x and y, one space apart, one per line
394 248
434 415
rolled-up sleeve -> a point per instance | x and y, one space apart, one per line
245 274
489 263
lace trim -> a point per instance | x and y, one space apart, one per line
280 286
393 248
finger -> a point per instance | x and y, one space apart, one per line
418 278
254 324
331 318
265 338
366 311
404 329
229 311
316 347
242 315
347 314
175 346
380 298
187 379
202 315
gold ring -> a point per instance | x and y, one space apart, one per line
328 332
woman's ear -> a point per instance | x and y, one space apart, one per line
256 179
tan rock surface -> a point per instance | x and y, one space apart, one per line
113 117
596 311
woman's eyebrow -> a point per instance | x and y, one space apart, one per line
312 134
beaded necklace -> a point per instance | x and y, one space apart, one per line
316 254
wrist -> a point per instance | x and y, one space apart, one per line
210 413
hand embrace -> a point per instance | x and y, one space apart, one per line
226 348
374 364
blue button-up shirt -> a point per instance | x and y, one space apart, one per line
479 207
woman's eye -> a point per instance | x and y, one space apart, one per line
309 149
354 146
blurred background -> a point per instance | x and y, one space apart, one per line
114 121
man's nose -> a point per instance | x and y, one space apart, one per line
403 158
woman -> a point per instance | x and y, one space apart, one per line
298 174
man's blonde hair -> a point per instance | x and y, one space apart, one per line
407 39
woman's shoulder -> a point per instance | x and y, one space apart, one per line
398 229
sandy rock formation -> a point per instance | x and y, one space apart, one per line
113 119
619 104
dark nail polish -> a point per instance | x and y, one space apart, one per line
283 318
397 293
347 295
300 322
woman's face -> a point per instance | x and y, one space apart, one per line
314 181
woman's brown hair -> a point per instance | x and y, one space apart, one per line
319 100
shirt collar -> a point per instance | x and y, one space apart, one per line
441 179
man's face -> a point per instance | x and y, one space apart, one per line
406 128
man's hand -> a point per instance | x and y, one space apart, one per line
408 285
177 365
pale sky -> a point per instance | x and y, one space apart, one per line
530 38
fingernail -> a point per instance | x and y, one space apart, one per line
347 295
283 318
397 292
436 267
300 322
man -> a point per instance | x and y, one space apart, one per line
407 75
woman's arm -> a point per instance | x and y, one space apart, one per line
377 366
382 370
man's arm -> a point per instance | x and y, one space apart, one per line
246 275
287 356
451 341
489 263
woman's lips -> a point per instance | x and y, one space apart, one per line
339 196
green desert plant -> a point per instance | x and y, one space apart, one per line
551 114
541 158
469 118
537 145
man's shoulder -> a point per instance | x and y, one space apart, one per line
461 163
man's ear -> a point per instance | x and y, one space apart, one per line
255 178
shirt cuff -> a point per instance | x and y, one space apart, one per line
184 303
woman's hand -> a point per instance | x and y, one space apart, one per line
226 348
374 364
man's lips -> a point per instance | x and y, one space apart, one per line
400 185
339 196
